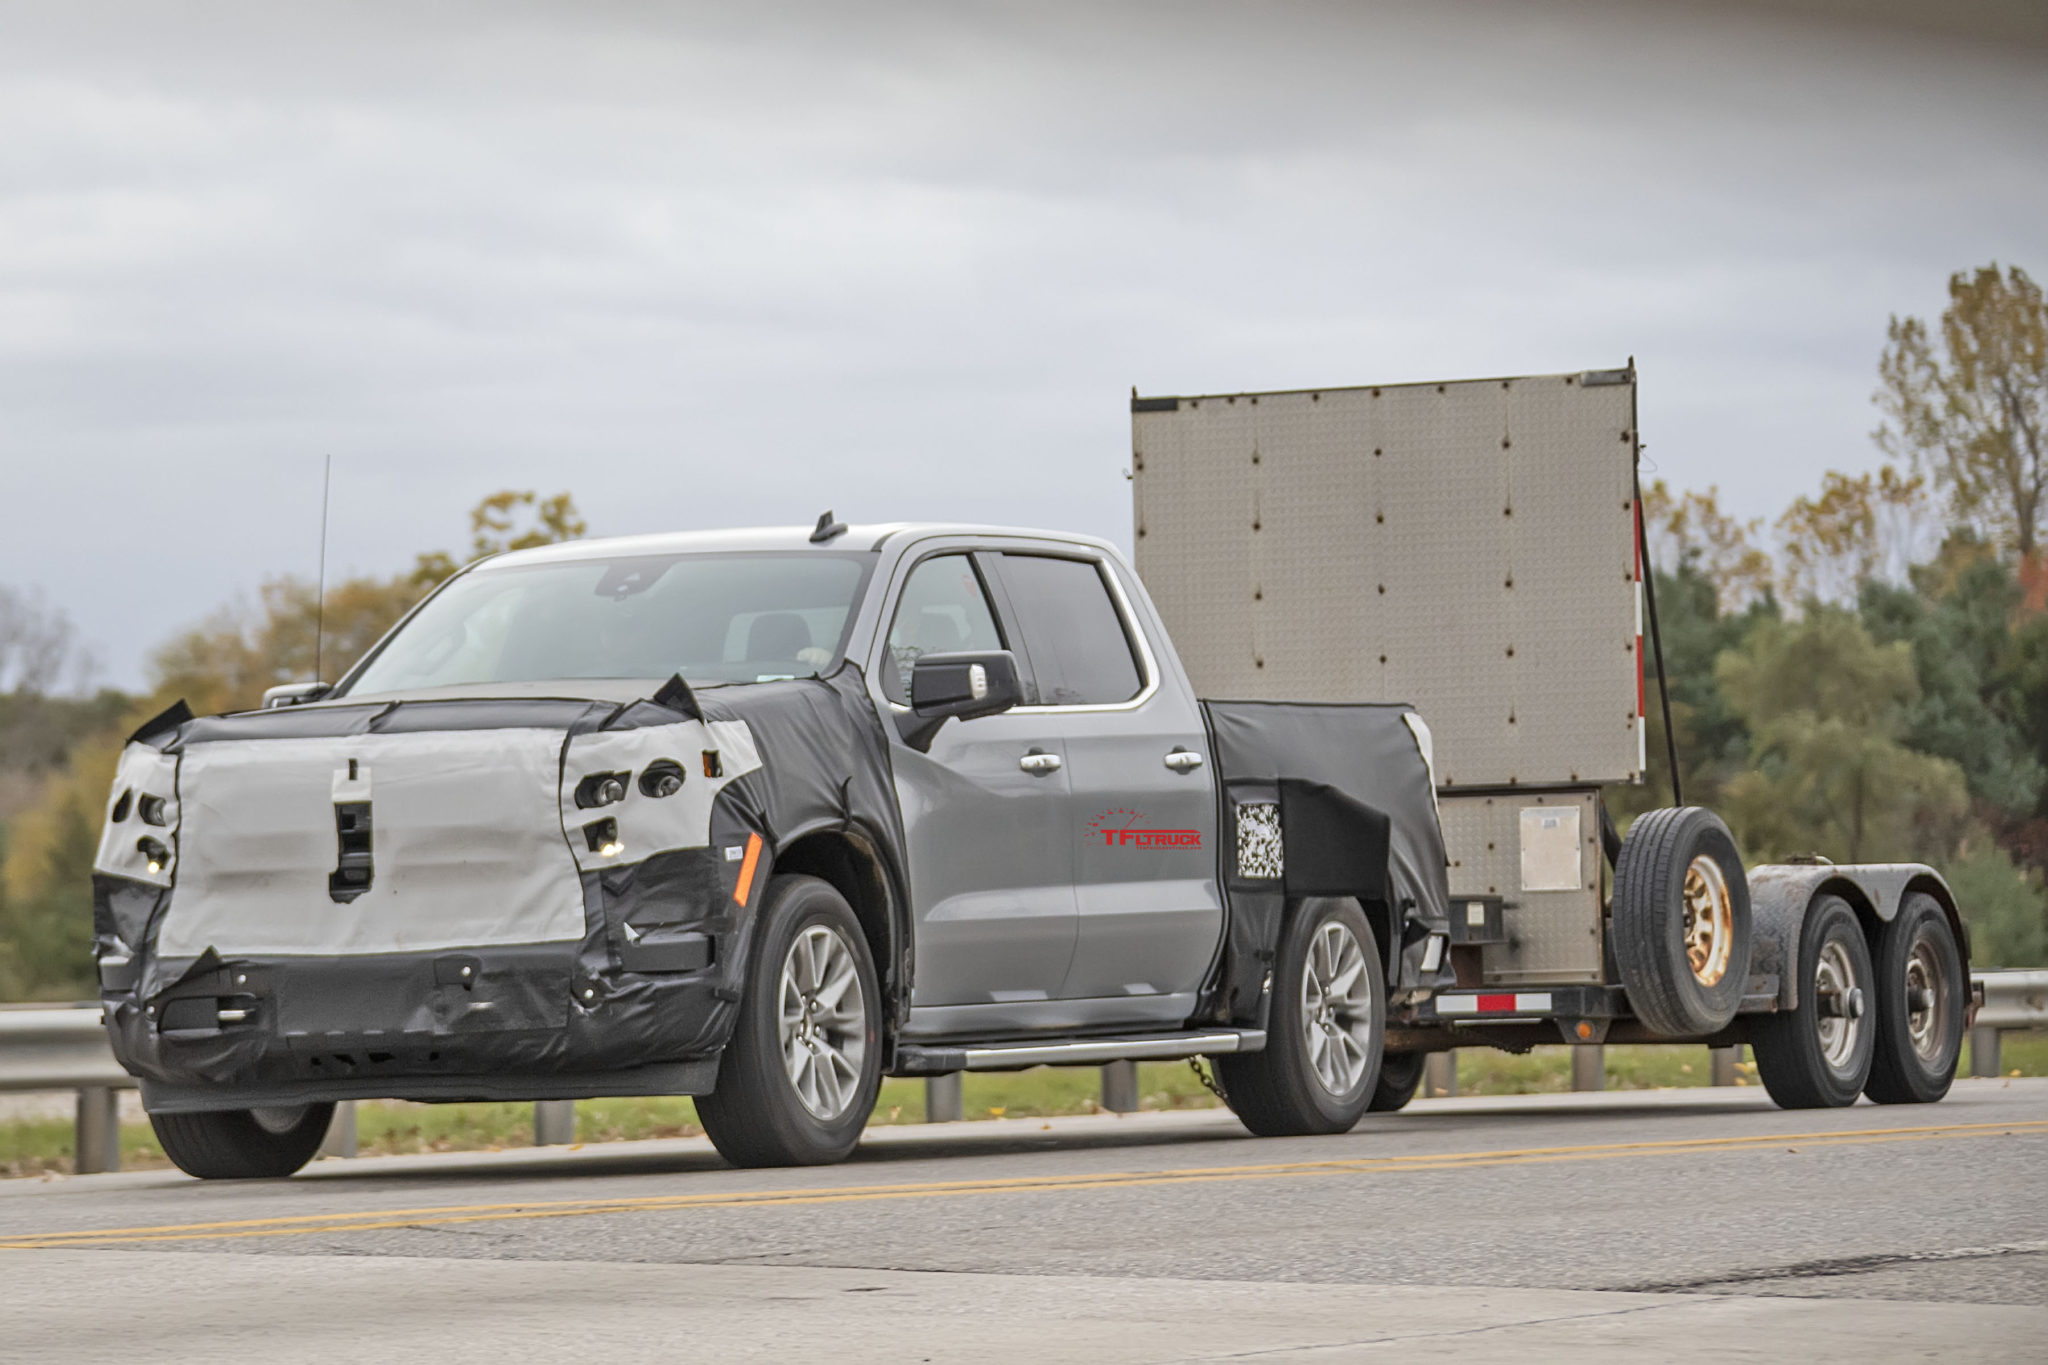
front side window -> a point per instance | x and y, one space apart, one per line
714 618
942 611
1080 652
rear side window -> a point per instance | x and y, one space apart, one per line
1080 652
942 611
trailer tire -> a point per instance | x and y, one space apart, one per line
243 1144
1681 925
1325 1031
1817 1056
1400 1078
798 1023
1918 1036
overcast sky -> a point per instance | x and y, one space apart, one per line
729 265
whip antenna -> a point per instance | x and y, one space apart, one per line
320 600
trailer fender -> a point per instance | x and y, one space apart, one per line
1779 894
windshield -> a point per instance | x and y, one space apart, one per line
711 617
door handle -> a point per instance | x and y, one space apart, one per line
1183 761
1038 763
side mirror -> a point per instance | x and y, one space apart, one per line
943 686
295 694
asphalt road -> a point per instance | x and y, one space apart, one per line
1682 1224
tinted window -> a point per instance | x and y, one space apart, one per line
712 618
1080 655
942 611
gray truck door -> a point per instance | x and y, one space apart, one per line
991 860
1143 805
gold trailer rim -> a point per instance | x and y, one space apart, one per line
1709 921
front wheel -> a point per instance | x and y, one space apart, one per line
1325 1032
799 1078
243 1144
1920 995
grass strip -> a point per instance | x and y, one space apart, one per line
43 1146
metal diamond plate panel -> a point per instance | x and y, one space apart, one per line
1552 936
1466 547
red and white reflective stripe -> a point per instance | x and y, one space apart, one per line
1537 1002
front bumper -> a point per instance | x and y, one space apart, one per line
499 1023
642 1004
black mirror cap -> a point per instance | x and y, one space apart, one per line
944 686
965 685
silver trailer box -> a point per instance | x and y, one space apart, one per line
1466 547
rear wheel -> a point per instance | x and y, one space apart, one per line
1920 990
243 1144
798 1080
1818 1055
1681 922
1325 1032
1400 1078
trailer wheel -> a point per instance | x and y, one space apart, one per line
798 1080
1817 1056
1400 1078
1681 921
1920 990
1325 1033
243 1144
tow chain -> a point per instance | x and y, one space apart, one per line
1208 1081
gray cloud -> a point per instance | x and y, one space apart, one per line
711 265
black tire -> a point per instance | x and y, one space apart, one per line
1400 1078
1817 1056
243 1144
1915 952
1661 853
1279 1092
755 1115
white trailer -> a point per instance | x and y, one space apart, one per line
1474 549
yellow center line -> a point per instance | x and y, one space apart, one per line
300 1225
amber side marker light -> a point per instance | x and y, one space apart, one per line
745 885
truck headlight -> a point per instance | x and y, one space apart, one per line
663 777
601 789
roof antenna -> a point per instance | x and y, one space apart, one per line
320 603
827 528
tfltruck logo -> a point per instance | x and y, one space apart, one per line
1119 828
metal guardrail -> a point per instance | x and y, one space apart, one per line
2010 1000
57 1047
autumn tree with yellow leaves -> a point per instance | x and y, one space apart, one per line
1967 402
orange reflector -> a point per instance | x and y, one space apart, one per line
746 881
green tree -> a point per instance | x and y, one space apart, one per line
1970 406
1713 742
46 936
1826 707
2005 906
1971 707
